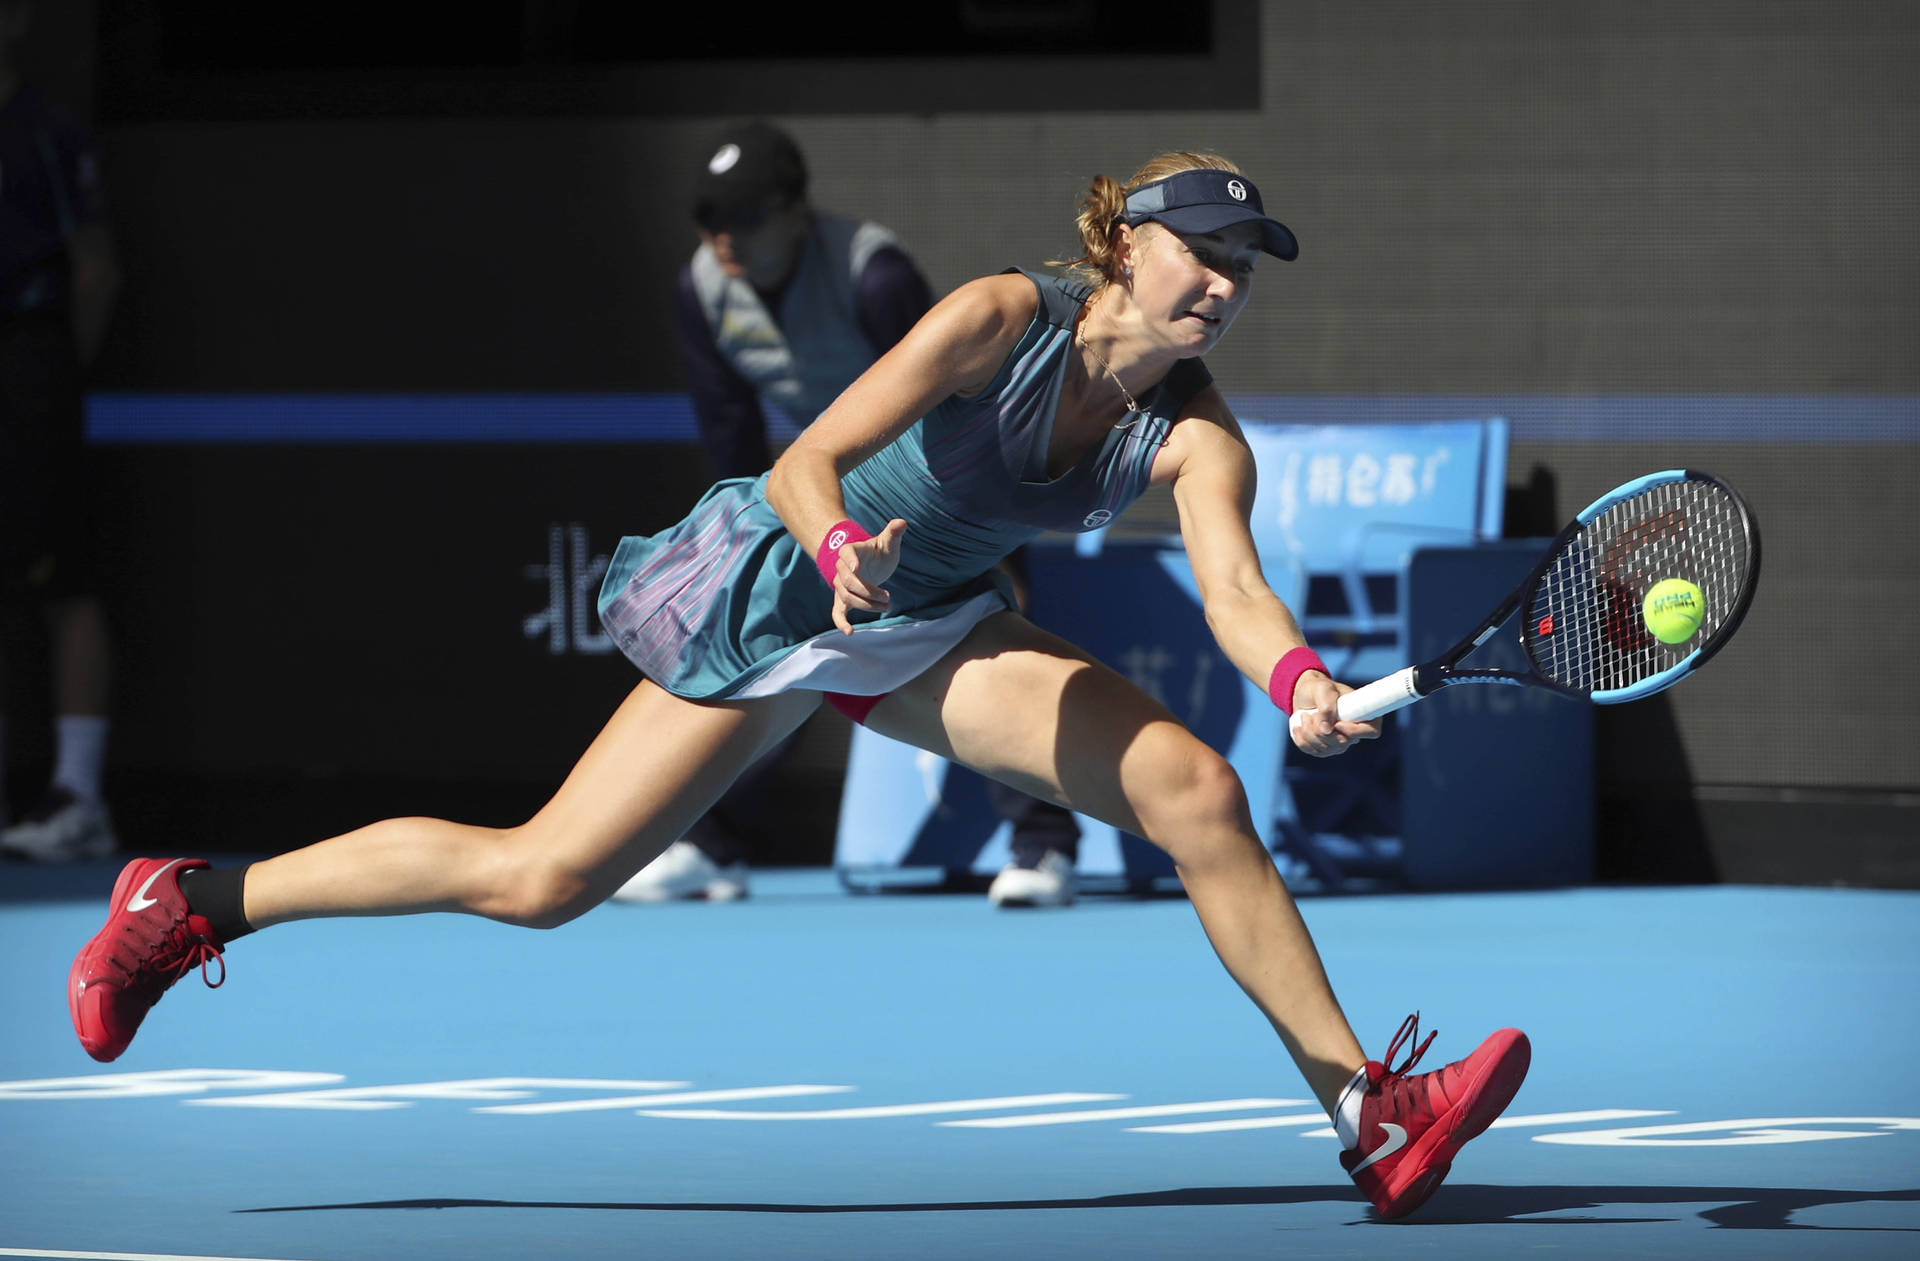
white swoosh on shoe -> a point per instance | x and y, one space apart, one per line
1396 1139
140 901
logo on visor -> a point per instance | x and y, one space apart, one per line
1097 518
1236 190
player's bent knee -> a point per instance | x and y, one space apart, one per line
526 890
545 899
1201 804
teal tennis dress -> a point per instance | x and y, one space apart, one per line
727 604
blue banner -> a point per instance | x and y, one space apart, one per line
126 418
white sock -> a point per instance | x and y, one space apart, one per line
1346 1113
81 740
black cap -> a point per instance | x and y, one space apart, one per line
751 165
1206 201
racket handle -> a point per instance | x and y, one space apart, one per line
1396 691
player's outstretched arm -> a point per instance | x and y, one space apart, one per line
1212 472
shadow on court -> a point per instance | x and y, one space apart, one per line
1742 1208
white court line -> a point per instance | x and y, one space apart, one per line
1326 1131
405 1094
1232 1123
894 1110
1127 1114
1575 1118
690 1096
116 1256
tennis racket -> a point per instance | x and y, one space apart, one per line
1581 629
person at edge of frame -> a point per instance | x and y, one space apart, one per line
59 279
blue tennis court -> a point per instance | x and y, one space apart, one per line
1718 1071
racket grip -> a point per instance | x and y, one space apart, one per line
1396 691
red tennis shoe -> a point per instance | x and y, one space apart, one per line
1412 1127
150 940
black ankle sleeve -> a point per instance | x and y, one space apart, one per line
215 893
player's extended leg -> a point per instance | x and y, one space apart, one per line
659 763
1030 709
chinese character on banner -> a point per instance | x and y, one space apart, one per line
1323 479
570 621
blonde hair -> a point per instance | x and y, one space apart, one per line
1105 203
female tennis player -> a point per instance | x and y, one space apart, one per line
861 570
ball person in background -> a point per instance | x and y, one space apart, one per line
862 571
788 304
58 282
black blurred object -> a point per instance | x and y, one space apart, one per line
299 35
1532 509
26 702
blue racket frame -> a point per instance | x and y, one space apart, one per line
1415 682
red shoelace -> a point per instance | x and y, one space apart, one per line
178 950
1409 1030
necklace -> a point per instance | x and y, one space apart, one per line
1133 408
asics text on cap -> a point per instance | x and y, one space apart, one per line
1205 201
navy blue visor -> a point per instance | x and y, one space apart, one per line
1203 201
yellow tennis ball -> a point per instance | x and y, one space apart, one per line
1674 609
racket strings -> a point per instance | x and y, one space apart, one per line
1586 629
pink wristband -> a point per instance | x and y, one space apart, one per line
1287 672
828 557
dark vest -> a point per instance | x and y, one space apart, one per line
803 354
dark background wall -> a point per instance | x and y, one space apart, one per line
1649 234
